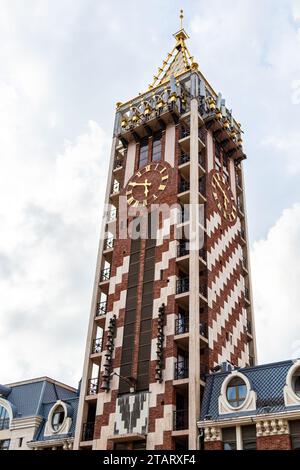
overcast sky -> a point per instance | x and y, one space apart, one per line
63 66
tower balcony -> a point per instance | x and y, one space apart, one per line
181 375
247 297
184 192
186 119
96 350
181 420
93 387
184 165
104 279
202 191
202 258
182 333
182 285
108 248
243 237
203 374
101 312
245 266
115 193
185 141
88 431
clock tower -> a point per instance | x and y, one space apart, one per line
172 292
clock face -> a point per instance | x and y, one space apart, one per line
223 197
147 185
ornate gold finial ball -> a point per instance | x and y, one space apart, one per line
118 104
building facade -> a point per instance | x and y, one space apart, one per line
171 303
256 408
37 414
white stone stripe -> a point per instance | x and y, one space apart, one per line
224 276
222 244
117 279
225 312
213 223
166 257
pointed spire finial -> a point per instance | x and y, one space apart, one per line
181 19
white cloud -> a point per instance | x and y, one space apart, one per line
47 260
276 279
287 147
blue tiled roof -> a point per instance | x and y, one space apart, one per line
267 381
36 398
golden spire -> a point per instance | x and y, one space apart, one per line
178 61
181 19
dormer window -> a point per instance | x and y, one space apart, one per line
296 382
236 392
58 418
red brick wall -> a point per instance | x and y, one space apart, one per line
274 442
216 445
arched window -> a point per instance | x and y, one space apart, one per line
58 418
4 418
236 392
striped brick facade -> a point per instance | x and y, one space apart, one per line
201 290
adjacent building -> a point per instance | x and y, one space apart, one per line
37 414
168 307
252 408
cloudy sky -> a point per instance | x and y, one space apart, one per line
63 66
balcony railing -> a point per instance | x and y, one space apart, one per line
185 216
180 420
97 345
184 186
181 326
116 187
112 215
247 293
202 160
184 158
249 327
88 431
203 290
182 249
202 253
102 308
184 133
105 275
202 187
93 386
109 243
203 330
182 285
118 164
203 372
181 370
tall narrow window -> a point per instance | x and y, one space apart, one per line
156 150
295 434
249 437
143 153
229 438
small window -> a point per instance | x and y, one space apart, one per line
249 437
58 418
296 382
4 444
295 434
143 153
236 392
4 418
156 150
229 438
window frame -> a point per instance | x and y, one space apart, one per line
238 398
